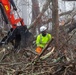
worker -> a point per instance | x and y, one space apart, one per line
42 39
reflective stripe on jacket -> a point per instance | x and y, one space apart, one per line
41 41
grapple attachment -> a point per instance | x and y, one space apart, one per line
19 37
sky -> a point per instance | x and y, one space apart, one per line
66 5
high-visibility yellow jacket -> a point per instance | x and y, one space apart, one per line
41 41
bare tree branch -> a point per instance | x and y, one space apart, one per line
45 7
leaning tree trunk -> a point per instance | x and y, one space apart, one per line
55 20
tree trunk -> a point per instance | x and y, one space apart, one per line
55 21
35 12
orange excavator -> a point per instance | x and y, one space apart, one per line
19 36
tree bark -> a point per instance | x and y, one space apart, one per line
35 12
55 21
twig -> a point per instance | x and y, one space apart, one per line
44 49
12 63
38 57
48 54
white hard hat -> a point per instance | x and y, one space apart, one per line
42 28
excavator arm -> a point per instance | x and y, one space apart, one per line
6 6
